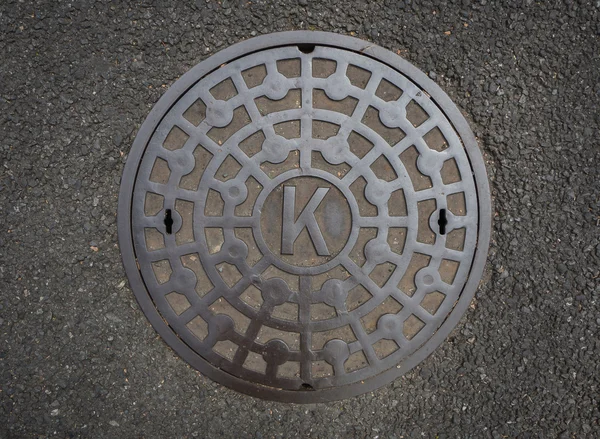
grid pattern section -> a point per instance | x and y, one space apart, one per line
330 116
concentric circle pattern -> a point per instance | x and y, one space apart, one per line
305 219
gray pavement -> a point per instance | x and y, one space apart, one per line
78 357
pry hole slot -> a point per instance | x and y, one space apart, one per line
442 221
306 48
168 221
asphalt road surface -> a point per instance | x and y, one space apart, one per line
78 357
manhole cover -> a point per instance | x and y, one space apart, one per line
304 216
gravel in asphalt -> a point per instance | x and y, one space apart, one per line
78 357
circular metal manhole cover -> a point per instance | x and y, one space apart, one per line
304 216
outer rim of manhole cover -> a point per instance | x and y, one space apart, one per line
271 41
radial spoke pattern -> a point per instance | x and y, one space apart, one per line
304 221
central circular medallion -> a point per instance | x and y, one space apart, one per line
304 217
306 221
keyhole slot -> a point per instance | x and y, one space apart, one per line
168 221
442 221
